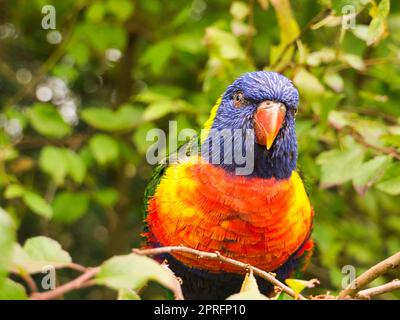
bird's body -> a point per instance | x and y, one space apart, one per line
262 218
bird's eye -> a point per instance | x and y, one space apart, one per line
238 99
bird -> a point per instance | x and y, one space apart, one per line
260 215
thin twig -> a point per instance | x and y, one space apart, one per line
177 281
77 267
81 282
376 291
217 256
322 14
29 281
389 151
72 142
370 275
385 150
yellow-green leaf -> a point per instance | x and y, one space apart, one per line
46 120
37 204
7 238
377 27
249 290
299 285
11 290
133 271
128 294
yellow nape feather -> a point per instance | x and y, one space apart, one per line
208 124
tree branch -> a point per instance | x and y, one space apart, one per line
376 291
370 275
78 283
385 150
178 282
270 277
29 281
352 291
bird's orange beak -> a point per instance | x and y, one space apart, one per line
268 120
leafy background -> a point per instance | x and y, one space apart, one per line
77 102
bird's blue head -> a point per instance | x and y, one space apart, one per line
263 104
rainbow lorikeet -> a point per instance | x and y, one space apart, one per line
263 218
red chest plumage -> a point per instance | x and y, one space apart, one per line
257 221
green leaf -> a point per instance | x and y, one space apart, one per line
239 10
100 36
361 32
107 197
133 271
11 290
391 140
127 294
52 161
46 120
8 153
76 167
223 44
289 29
159 93
122 9
325 55
157 56
37 253
391 186
283 296
104 148
354 61
188 42
7 238
95 12
46 250
341 119
249 290
299 285
326 103
58 162
21 263
37 204
14 191
339 166
159 109
308 83
370 172
125 118
139 137
70 206
377 27
334 81
264 4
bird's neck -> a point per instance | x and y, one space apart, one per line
279 162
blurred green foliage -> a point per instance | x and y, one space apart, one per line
77 102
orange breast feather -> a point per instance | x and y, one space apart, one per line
257 221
